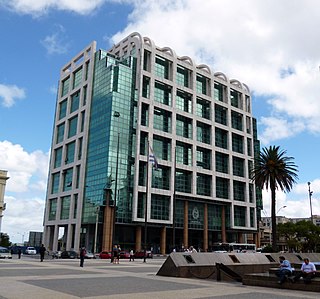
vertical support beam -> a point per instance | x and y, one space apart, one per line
107 224
55 237
205 227
163 240
223 225
240 237
186 226
138 238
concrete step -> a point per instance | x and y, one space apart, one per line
271 280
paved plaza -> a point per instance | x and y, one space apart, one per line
29 278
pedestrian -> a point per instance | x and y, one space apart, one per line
118 256
114 254
308 271
42 251
284 271
131 255
19 253
82 255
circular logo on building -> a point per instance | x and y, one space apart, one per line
195 213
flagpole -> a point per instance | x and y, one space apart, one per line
146 207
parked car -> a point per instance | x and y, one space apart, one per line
56 254
5 253
140 254
69 254
31 251
89 255
124 255
105 255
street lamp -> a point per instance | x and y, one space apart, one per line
96 229
310 197
280 209
115 114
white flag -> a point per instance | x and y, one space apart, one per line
153 159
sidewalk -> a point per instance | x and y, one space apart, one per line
30 279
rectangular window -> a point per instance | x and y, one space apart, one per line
80 148
65 87
236 121
235 98
75 100
67 179
237 143
73 123
87 70
162 120
63 109
60 133
147 61
214 217
251 198
57 157
65 207
162 147
182 77
249 146
203 108
84 95
183 153
220 92
162 94
52 209
184 101
162 66
203 158
77 78
75 206
201 84
204 184
183 181
222 188
145 115
70 152
238 166
141 201
248 124
221 115
222 162
221 138
184 126
161 178
55 183
146 87
240 216
142 173
252 217
203 133
160 207
248 103
239 191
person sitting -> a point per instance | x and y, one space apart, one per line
308 271
284 271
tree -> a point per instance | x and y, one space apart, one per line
4 240
273 170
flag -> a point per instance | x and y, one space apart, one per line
153 159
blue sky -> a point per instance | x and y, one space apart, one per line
249 41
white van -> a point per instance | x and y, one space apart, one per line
5 253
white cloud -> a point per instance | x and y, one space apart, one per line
56 43
21 216
37 8
10 93
26 170
247 40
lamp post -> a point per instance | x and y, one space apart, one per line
310 197
115 114
96 229
280 209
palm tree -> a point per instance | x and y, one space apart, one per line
273 170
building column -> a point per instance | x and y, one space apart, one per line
138 238
107 224
205 228
240 238
55 238
69 236
223 225
185 225
163 240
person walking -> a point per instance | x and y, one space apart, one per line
19 253
284 271
308 271
82 255
131 255
42 251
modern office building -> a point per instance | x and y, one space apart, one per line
118 107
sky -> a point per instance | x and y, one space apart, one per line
271 46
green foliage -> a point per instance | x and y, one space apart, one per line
301 236
4 240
